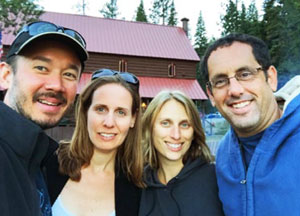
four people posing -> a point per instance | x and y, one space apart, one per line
103 163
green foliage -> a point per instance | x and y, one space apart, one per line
155 12
241 21
140 14
272 27
201 41
279 28
289 38
230 21
172 21
110 10
160 11
201 44
253 26
81 7
15 13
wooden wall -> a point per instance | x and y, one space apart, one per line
142 66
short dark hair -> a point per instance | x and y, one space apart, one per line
12 61
259 49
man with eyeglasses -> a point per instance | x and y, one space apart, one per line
40 75
258 159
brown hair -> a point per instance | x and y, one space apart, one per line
75 154
198 147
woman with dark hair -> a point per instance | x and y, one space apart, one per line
179 175
104 157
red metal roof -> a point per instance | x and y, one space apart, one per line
125 37
150 86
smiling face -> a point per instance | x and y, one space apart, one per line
109 117
249 106
172 132
44 84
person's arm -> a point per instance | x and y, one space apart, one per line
54 179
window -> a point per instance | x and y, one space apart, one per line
123 65
172 70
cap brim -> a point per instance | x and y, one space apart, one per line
81 51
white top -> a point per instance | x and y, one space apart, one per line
59 210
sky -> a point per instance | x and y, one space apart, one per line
211 10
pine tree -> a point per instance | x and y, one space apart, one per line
160 11
230 21
16 13
241 21
155 12
140 14
81 7
272 26
201 41
254 27
172 21
289 64
201 44
281 30
243 24
110 10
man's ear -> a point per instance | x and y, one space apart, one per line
211 97
6 75
272 77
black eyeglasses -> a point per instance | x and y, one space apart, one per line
243 75
39 27
128 77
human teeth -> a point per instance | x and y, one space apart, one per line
106 135
241 105
174 145
47 102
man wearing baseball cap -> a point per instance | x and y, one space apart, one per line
40 75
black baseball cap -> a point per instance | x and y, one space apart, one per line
46 30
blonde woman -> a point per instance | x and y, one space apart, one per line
179 175
104 158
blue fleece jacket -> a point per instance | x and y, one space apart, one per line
270 187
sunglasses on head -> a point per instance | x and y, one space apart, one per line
128 77
40 27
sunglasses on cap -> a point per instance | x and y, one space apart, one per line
128 77
40 27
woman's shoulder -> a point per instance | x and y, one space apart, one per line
201 170
200 165
127 196
122 182
58 209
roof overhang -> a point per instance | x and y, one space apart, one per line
151 86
